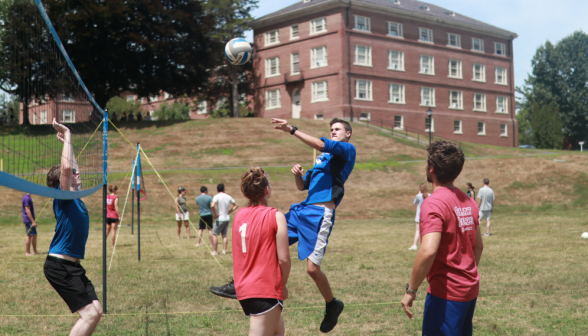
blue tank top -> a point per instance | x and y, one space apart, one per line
72 229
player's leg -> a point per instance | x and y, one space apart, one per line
89 317
320 279
488 226
416 238
107 228
34 243
267 324
225 238
113 228
179 227
200 231
28 245
187 225
216 230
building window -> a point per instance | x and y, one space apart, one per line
272 98
365 116
427 96
425 35
399 122
67 97
34 118
427 65
68 116
131 98
272 37
294 34
318 26
397 93
318 57
501 104
320 91
201 107
453 40
363 90
431 126
479 72
481 128
503 130
361 23
499 49
501 76
395 29
479 102
456 100
477 44
363 55
153 98
272 67
395 60
295 68
319 116
43 117
457 127
455 69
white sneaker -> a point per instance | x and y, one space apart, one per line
413 248
486 235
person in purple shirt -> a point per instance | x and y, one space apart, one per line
28 217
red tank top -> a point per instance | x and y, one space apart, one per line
110 209
256 269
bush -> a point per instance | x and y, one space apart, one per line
119 105
177 111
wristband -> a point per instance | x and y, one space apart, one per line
294 129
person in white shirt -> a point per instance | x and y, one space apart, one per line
418 200
486 197
220 209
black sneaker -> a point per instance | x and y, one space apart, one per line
334 309
227 291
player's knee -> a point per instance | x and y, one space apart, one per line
92 315
313 270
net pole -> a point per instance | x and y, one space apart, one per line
104 187
138 201
133 178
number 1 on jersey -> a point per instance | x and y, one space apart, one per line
243 230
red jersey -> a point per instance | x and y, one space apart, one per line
256 269
110 209
454 275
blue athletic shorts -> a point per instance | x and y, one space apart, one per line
448 318
31 231
310 226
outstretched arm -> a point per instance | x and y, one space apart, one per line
309 140
68 159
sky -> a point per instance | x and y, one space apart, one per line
535 21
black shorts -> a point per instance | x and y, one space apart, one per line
70 281
254 307
112 220
205 222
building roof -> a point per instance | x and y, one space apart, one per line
408 6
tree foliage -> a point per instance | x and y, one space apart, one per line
546 125
119 106
179 110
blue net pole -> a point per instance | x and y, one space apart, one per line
104 192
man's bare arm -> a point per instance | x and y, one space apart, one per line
479 246
309 140
298 173
424 259
28 210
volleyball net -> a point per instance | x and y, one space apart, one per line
37 75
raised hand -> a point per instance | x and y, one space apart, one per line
61 130
297 170
281 124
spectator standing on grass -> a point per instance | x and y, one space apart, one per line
123 117
418 200
204 202
139 116
182 213
471 191
220 208
131 116
486 197
112 212
451 248
28 217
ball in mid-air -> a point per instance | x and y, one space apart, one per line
585 235
238 51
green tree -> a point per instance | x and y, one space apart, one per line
179 110
119 105
546 125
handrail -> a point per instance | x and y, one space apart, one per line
406 129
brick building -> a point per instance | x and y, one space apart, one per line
391 60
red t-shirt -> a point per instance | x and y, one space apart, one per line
256 269
110 209
454 275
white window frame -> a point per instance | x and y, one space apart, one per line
502 49
401 122
292 37
459 65
431 65
268 105
399 28
460 131
315 91
292 55
35 118
368 89
459 96
73 116
67 98
268 37
201 108
481 44
368 56
153 98
366 23
319 116
432 124
368 116
457 40
482 73
482 102
400 60
505 134
428 32
401 99
431 97
43 117
504 76
505 103
313 26
313 57
268 67
483 133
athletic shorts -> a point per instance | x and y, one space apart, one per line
448 318
112 220
255 307
30 230
310 226
485 214
205 222
184 216
220 228
69 280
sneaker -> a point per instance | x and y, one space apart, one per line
332 313
486 235
413 248
226 291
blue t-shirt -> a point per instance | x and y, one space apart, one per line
204 202
325 180
72 229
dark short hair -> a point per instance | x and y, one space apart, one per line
447 159
53 176
486 181
220 187
203 189
344 122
